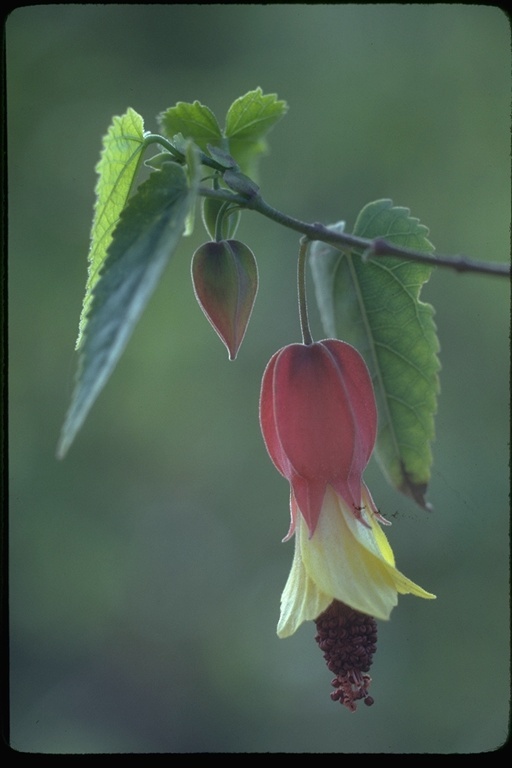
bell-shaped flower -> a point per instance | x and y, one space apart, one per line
319 420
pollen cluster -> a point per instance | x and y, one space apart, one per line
348 640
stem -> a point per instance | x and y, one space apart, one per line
368 248
340 240
219 222
301 289
155 138
379 246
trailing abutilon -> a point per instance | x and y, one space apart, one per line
319 422
225 279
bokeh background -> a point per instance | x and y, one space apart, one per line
146 568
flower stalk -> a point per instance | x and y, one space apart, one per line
301 289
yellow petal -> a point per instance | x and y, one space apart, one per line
382 543
301 599
403 585
351 562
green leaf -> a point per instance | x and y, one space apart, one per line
117 167
375 306
194 121
147 234
251 117
248 121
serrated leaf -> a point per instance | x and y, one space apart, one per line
248 121
194 121
117 167
375 306
147 234
250 117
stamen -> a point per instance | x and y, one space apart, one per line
358 514
348 641
378 516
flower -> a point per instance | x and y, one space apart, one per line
319 423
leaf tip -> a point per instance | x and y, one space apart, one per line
62 447
415 491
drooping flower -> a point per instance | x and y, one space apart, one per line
319 422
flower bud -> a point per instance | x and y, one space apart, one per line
225 279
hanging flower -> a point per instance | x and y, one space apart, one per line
225 280
319 420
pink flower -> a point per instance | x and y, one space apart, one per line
319 422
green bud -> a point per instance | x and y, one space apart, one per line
240 183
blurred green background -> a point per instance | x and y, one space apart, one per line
146 568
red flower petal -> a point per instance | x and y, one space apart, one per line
318 418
